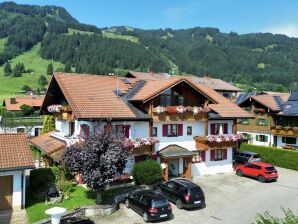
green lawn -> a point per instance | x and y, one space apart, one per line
73 31
2 43
10 86
81 196
123 37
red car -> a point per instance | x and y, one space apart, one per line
260 170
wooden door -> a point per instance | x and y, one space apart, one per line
187 167
6 192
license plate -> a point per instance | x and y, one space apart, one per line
165 215
197 202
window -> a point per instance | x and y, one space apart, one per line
261 121
165 98
218 154
250 166
118 131
289 140
262 138
219 128
171 185
199 157
85 130
172 130
189 130
154 131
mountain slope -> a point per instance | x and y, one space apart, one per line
262 60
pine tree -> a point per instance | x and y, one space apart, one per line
67 67
50 69
7 69
43 80
48 124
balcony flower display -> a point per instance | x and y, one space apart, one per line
224 138
56 108
135 143
182 109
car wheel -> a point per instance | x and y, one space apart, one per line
145 217
127 203
239 173
261 178
179 204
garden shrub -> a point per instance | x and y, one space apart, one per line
276 156
57 171
147 172
266 218
41 179
67 187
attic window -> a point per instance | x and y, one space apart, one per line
126 81
118 92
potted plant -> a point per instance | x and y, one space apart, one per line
278 127
286 128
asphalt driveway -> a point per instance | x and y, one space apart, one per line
230 199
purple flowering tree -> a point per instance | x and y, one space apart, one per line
97 159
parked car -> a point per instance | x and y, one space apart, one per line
151 205
184 193
245 157
260 170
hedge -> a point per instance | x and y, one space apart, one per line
276 156
147 172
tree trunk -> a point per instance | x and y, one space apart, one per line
99 198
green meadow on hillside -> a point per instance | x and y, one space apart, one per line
10 86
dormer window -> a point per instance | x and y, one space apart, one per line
171 97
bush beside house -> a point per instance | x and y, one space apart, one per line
279 157
147 172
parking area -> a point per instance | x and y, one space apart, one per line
230 199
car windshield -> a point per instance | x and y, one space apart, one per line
160 203
270 168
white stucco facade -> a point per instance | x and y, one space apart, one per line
19 187
254 138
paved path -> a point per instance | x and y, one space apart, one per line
230 199
17 216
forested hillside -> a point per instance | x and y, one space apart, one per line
260 60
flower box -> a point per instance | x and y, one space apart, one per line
259 110
196 110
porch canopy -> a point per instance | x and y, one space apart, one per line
171 151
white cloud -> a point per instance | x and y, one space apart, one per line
291 30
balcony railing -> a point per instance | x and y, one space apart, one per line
172 113
217 141
284 130
61 112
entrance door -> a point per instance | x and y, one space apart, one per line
6 192
274 140
187 167
173 165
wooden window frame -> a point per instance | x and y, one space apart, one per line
170 128
218 155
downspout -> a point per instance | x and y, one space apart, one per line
22 190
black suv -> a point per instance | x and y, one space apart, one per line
151 205
184 193
245 157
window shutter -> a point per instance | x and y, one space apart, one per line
266 138
225 154
248 121
257 121
180 129
212 131
225 128
203 156
266 121
257 137
126 130
164 130
212 155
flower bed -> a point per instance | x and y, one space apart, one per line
136 143
224 138
56 108
181 110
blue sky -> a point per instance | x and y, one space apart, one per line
241 16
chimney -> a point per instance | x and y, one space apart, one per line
13 101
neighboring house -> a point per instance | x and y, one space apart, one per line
31 125
226 89
275 121
15 163
186 119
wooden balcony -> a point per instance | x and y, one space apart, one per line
284 131
188 116
143 150
65 114
202 144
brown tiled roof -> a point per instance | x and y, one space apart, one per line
216 84
268 101
15 152
92 96
33 101
52 146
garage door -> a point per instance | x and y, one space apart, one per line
6 192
